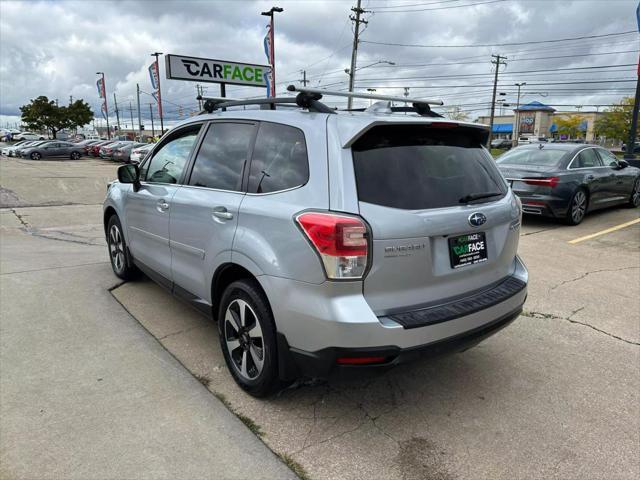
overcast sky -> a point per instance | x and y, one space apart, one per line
54 48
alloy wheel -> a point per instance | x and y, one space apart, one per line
36 156
116 249
244 339
635 196
579 206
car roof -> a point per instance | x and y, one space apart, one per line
568 147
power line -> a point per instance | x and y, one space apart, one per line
498 44
438 8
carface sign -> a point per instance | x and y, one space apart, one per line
215 71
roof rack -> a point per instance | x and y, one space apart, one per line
303 99
309 98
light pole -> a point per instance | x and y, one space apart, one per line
106 107
516 130
272 35
371 90
157 54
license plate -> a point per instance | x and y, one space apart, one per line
467 249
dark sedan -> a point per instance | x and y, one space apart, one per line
567 180
52 149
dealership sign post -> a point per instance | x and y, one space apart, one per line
197 69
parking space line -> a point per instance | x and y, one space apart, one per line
604 232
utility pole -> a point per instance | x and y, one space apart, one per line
631 142
70 99
272 40
499 60
157 54
516 130
153 131
354 51
139 113
199 94
304 78
131 113
115 102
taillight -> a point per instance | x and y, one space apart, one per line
359 360
340 241
543 182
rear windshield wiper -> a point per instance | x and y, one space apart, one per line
477 196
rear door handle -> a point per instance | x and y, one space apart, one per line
221 212
590 177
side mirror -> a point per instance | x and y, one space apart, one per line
622 164
129 173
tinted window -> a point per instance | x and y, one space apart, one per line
417 167
167 164
532 156
586 159
608 158
279 159
222 156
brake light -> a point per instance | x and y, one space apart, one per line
340 241
443 125
543 182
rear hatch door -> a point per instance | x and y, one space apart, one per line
443 222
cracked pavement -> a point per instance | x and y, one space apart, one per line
554 395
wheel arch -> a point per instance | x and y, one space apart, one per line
226 274
108 213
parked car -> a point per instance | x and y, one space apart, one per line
636 147
53 149
324 241
29 136
567 181
139 153
34 143
528 139
94 150
9 150
123 153
108 151
501 143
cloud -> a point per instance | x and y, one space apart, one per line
55 48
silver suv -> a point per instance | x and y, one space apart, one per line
323 240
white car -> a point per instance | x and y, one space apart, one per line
527 140
10 150
139 153
29 136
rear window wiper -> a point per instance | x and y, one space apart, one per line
477 196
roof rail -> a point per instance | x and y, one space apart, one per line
303 99
371 96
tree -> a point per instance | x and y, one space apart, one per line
44 114
570 125
456 113
615 122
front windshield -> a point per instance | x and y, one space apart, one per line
547 157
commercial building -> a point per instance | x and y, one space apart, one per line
539 120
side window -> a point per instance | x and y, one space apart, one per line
279 159
222 156
608 158
168 162
587 159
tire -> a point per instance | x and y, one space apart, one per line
118 251
42 138
36 156
577 207
75 156
634 200
251 355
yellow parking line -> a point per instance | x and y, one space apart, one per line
604 232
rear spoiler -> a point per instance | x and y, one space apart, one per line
480 131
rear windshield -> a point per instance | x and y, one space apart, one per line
417 167
548 157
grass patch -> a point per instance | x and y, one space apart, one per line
203 379
496 152
295 467
251 425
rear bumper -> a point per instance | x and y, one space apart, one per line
544 205
325 362
319 323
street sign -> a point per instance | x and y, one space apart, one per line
197 69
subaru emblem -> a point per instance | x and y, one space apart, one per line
477 219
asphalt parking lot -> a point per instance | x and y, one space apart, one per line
108 380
